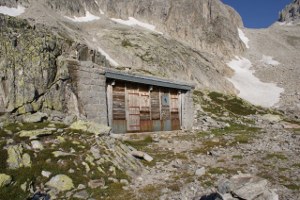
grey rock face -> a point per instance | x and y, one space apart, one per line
290 12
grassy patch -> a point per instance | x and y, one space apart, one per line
239 157
292 186
278 156
140 143
151 191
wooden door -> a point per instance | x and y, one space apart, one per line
118 108
175 110
145 117
133 116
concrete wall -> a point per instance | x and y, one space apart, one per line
90 86
187 110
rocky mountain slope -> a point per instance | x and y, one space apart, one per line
233 143
174 48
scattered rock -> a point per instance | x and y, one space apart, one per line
95 152
61 183
81 195
24 186
26 160
87 167
142 155
200 171
81 187
35 133
46 174
5 180
14 159
37 145
98 183
246 186
92 127
124 181
34 118
61 154
113 180
272 118
61 139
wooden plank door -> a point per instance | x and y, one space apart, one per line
146 124
175 110
118 110
133 116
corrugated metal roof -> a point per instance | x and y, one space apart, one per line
148 80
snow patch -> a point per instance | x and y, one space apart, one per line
134 22
285 23
87 18
111 61
269 60
12 11
243 37
250 87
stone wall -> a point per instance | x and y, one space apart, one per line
89 83
187 110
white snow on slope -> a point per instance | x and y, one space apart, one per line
269 60
111 61
87 18
250 87
12 11
134 22
243 38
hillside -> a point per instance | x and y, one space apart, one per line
245 108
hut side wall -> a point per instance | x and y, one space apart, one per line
187 110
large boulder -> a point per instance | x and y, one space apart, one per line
34 118
61 183
35 133
5 180
15 158
91 127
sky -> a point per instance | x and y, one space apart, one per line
258 13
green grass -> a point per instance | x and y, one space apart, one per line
278 156
140 143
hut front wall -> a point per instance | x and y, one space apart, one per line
142 108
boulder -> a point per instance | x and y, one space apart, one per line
81 195
34 118
37 145
61 154
26 161
92 127
245 186
46 174
14 160
200 171
5 180
61 183
35 133
272 118
142 155
97 183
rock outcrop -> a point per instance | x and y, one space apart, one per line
291 12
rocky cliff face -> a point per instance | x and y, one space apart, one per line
207 24
31 78
291 12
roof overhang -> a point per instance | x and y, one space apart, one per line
148 80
